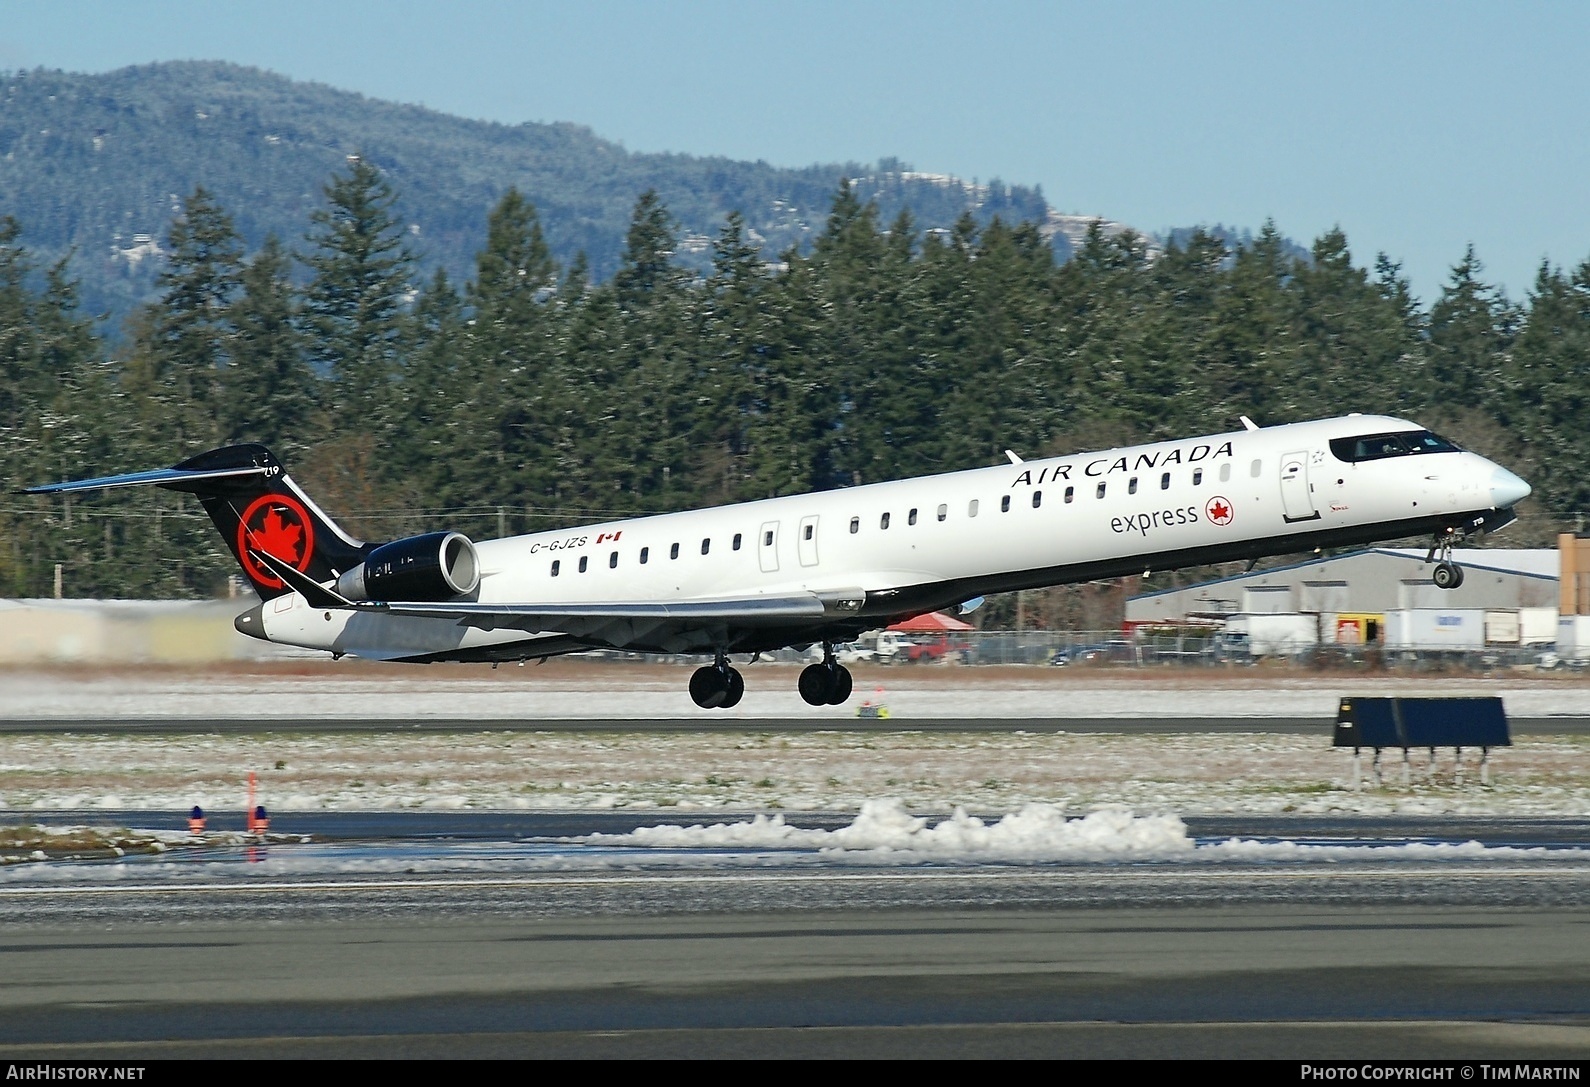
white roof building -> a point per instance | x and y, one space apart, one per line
1372 581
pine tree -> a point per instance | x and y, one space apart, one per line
1471 329
184 340
268 391
1547 398
510 372
361 269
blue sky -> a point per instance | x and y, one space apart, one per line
1418 127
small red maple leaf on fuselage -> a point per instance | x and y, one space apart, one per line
277 536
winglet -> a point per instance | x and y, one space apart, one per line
1248 424
1011 453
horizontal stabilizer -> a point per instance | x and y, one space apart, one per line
173 478
316 594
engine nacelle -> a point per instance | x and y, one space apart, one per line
434 567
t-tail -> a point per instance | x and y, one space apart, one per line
256 507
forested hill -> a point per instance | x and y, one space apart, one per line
96 165
519 391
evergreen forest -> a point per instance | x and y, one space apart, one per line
531 393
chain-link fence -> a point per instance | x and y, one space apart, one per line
1200 648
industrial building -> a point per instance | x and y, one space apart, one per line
1377 596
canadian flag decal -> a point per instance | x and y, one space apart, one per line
604 537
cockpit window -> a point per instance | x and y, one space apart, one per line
1380 446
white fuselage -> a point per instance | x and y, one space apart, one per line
915 544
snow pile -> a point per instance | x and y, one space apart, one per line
1036 832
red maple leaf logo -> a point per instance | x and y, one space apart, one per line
1219 511
280 527
276 536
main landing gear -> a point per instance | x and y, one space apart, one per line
825 684
717 686
1448 574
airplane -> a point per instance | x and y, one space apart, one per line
823 567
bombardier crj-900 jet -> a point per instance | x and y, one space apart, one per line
821 568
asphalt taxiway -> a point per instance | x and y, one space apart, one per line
1553 725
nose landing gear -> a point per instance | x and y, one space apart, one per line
1447 574
717 686
825 684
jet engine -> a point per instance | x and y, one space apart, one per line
434 567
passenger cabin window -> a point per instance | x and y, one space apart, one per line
944 511
612 561
1198 476
1225 473
555 564
673 552
706 545
1164 482
584 561
855 525
1071 493
1380 446
1004 504
1131 485
910 518
1255 468
645 553
971 508
1101 491
883 522
737 541
1037 499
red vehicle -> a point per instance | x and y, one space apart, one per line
928 650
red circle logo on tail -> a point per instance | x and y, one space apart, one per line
1219 511
279 526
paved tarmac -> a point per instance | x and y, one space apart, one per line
708 722
1315 981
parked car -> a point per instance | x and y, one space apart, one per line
1121 652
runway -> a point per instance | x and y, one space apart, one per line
1439 920
522 934
1557 725
1227 981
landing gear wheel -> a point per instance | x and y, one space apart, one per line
839 685
735 692
716 687
825 684
813 685
1448 575
707 688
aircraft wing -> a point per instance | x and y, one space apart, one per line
624 623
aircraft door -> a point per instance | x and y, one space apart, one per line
1297 500
807 544
767 548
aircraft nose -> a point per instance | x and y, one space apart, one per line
1507 489
252 622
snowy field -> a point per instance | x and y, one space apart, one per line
754 767
883 834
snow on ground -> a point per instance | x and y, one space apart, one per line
882 834
755 767
762 770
